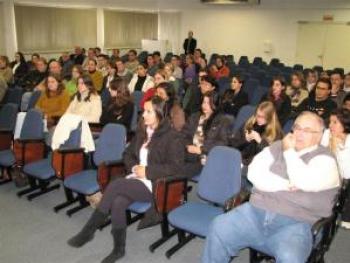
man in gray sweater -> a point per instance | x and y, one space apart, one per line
295 182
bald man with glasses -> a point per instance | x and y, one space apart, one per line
295 182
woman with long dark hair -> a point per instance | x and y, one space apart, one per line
173 110
202 132
120 107
155 152
86 101
19 67
277 95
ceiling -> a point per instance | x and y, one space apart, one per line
178 5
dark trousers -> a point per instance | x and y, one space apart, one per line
119 194
346 208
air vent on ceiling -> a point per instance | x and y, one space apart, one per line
230 2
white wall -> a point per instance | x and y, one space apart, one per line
243 31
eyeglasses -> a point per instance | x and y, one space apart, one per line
319 88
297 128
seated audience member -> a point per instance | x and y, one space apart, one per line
337 92
297 93
159 77
277 95
91 54
141 81
98 51
321 103
95 75
173 110
203 131
158 60
346 102
71 85
155 152
219 69
346 87
176 62
67 65
261 130
207 84
19 67
132 62
31 63
337 138
120 107
295 183
115 55
36 77
169 76
151 65
5 69
233 99
311 79
3 88
324 75
122 71
54 100
86 102
102 63
111 75
199 60
55 68
190 70
78 57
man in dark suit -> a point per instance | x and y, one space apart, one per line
190 44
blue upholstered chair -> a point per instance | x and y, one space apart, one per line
40 173
34 99
137 96
109 150
8 115
219 181
287 127
243 115
30 145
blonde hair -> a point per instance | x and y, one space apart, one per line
273 131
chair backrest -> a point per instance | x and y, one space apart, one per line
33 99
105 97
243 115
14 95
133 125
33 125
220 178
74 138
111 144
257 95
287 127
137 96
8 116
223 84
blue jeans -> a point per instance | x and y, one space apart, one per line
287 240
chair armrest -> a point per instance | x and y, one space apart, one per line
25 141
320 224
66 150
113 163
170 193
236 200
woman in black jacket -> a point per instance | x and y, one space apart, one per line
233 99
203 131
155 152
277 95
19 67
120 107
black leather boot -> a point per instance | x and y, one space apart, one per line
96 220
119 238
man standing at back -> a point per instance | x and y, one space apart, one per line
190 44
295 182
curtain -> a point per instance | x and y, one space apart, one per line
54 29
127 29
2 29
169 29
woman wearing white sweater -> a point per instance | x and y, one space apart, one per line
337 138
86 102
141 81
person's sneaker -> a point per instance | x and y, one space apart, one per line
345 224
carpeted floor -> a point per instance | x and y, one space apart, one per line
30 232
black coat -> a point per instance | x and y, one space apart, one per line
192 47
231 102
165 152
322 108
283 108
122 116
216 133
